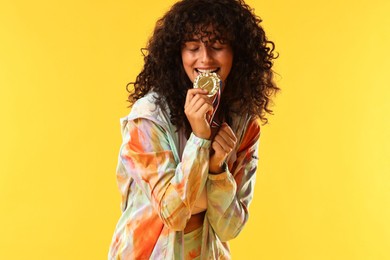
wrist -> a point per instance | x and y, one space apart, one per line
218 169
201 135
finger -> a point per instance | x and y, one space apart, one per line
218 149
191 93
226 144
227 131
197 102
227 135
200 98
197 90
205 109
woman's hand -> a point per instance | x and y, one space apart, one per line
222 144
198 108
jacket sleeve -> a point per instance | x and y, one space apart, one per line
172 188
230 193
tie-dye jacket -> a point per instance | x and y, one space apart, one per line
160 176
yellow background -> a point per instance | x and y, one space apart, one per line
323 188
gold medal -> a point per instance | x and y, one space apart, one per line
208 81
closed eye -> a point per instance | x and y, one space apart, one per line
192 45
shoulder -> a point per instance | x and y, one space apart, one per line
145 111
144 107
147 108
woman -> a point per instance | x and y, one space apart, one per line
187 164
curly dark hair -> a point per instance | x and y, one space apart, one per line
249 85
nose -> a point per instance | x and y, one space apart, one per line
206 55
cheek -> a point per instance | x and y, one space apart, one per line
226 58
228 62
186 58
229 59
187 64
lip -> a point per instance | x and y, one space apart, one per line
206 70
211 69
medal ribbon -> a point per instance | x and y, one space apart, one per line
216 101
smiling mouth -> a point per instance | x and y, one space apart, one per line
207 71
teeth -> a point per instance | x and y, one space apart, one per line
207 71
